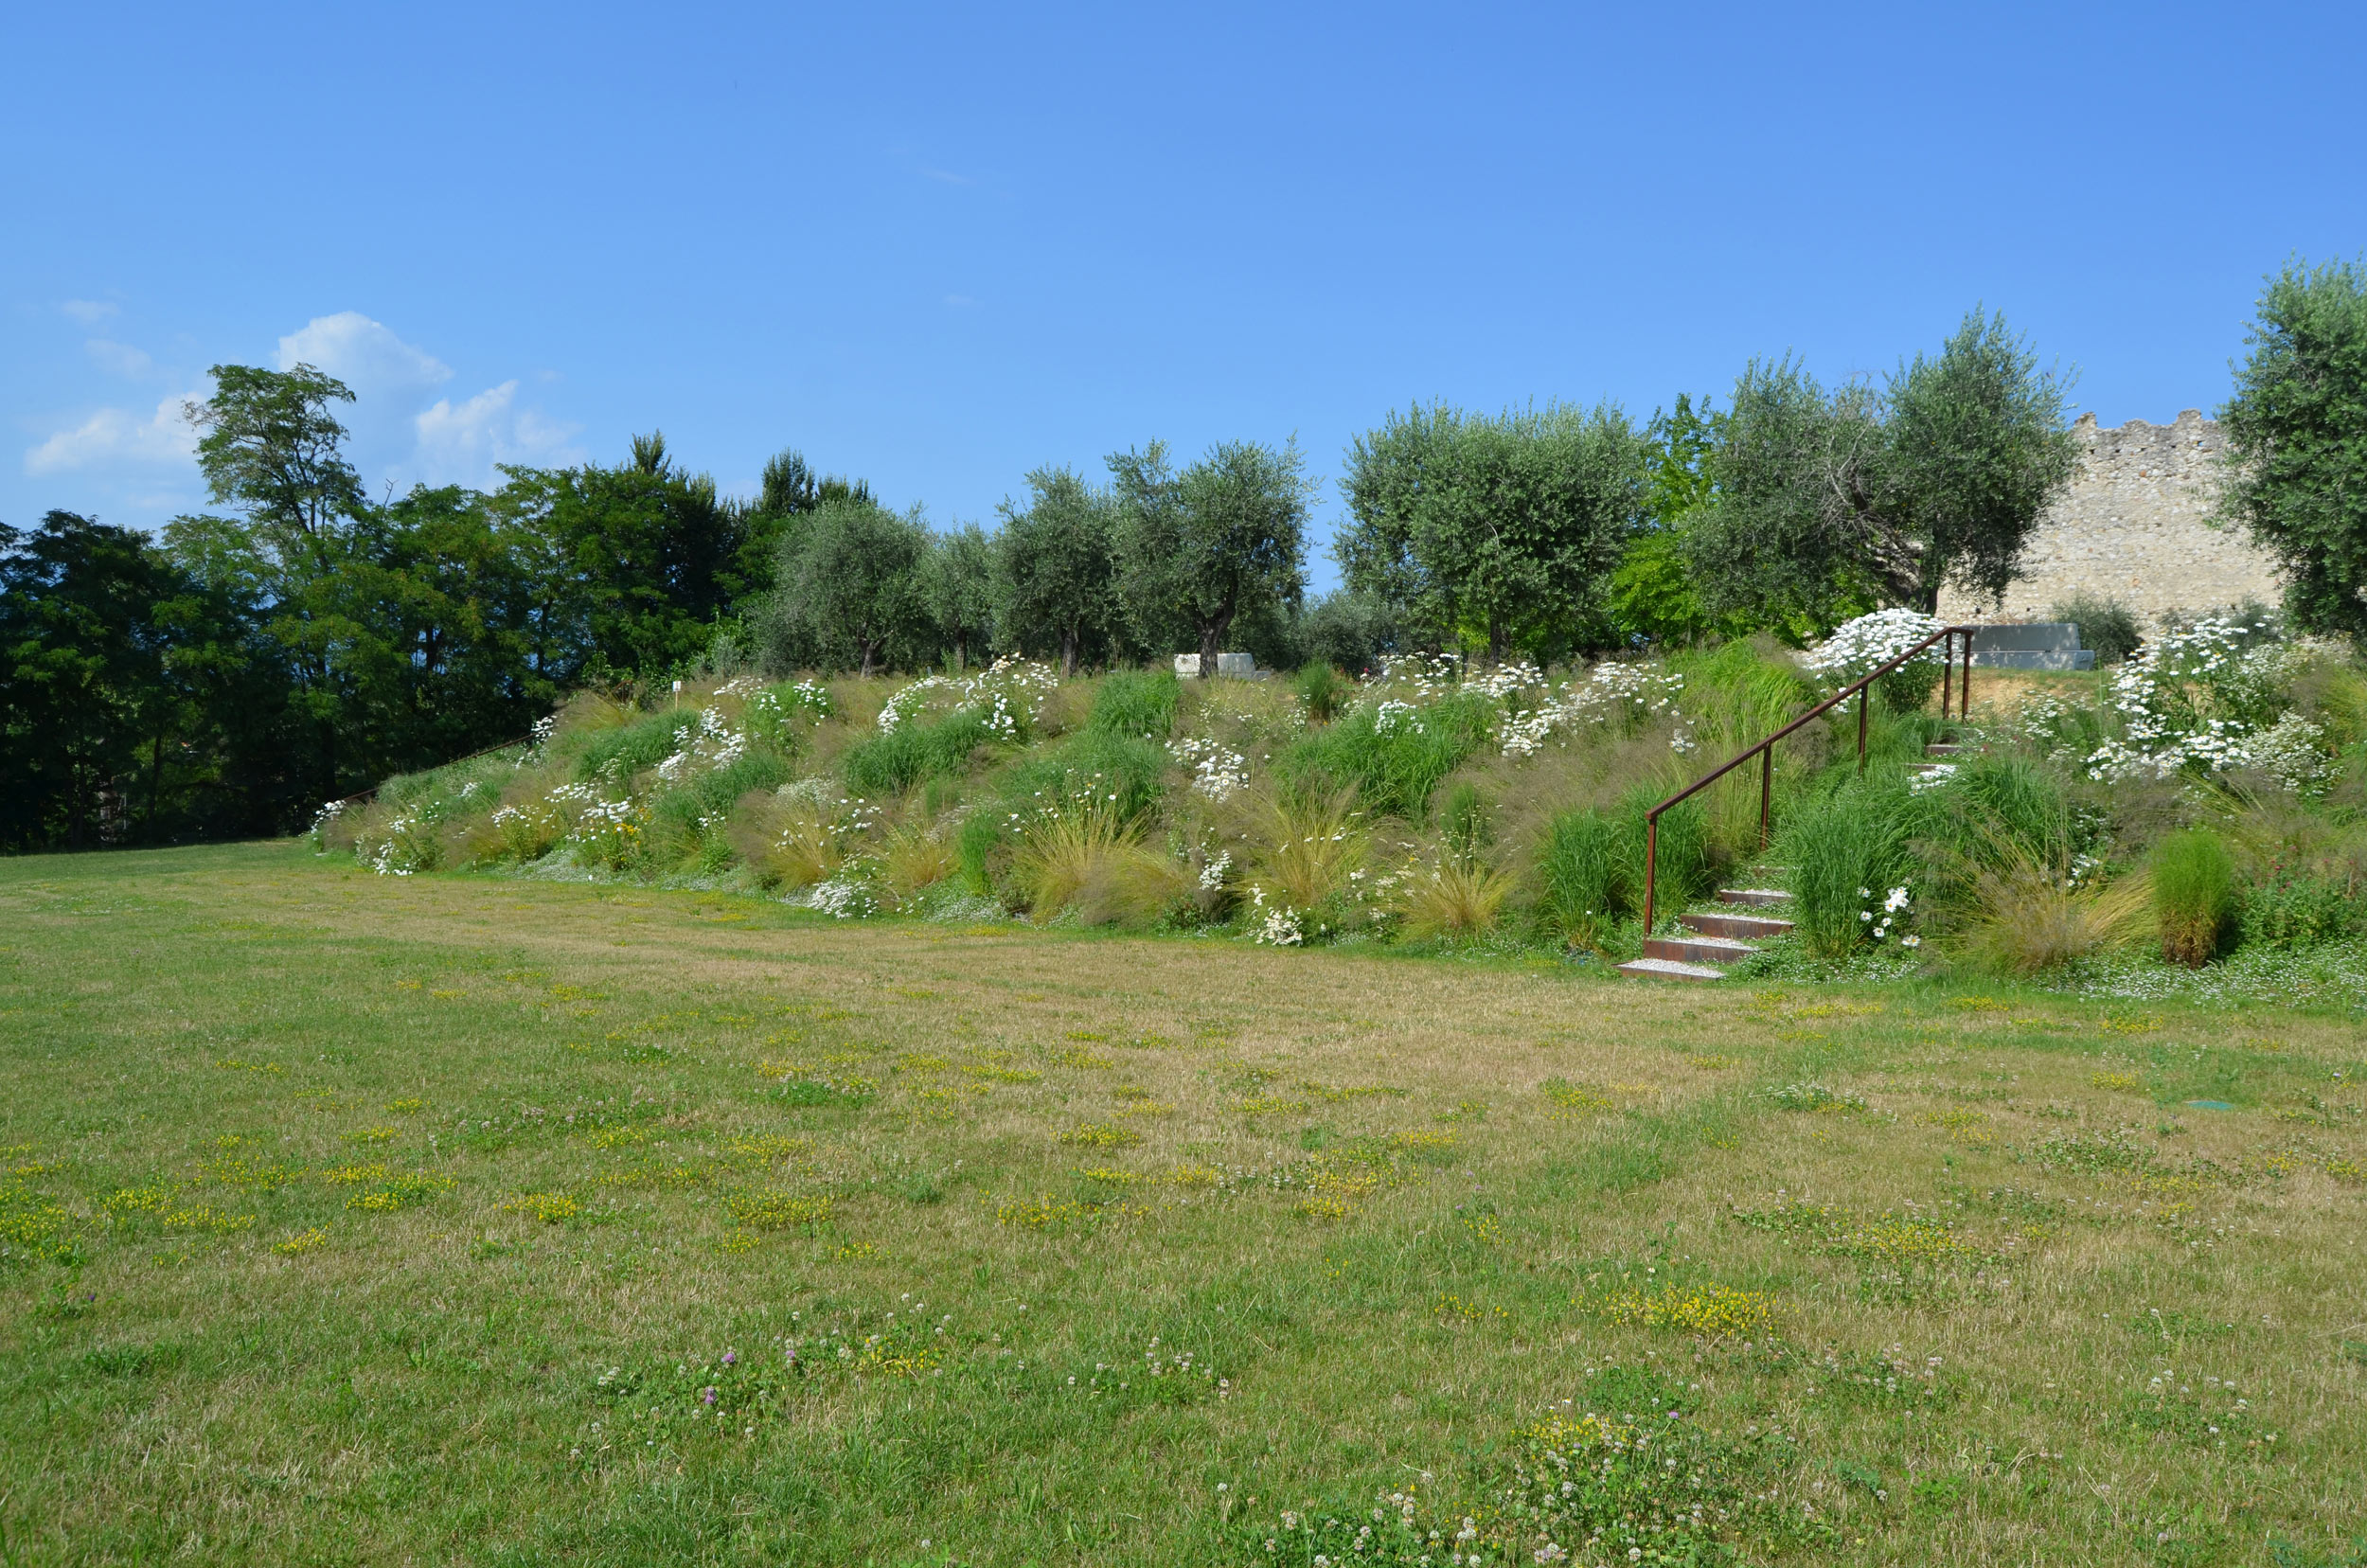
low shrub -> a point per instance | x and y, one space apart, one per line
1091 860
1119 773
1324 691
1684 865
1303 844
2033 915
1455 899
2105 624
2294 909
2194 896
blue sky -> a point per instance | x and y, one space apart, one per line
937 247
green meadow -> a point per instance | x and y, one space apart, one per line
462 1219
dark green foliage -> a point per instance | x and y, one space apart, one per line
2105 624
1581 879
1056 570
2194 896
1349 630
1847 848
2293 909
1108 773
1393 763
893 760
851 593
1136 703
2297 435
1225 539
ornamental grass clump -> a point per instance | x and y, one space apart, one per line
1580 888
2036 914
1304 843
1843 850
1090 859
2194 896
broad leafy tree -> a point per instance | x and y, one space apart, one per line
2296 441
1827 501
1498 533
958 585
1055 572
1224 538
851 590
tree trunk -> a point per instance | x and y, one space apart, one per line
869 648
1068 654
961 654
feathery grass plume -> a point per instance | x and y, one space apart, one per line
2194 896
1304 843
1089 858
1137 705
789 838
2033 915
1457 898
1846 848
916 856
1582 889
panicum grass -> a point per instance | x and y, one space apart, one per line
1580 889
1842 845
2194 896
1136 705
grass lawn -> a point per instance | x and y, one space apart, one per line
454 1220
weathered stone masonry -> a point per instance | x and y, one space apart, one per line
2134 525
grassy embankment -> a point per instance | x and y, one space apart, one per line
356 1220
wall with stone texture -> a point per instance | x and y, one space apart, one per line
2133 527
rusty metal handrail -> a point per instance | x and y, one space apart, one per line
1765 750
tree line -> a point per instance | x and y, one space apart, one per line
226 674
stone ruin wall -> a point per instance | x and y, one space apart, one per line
2134 525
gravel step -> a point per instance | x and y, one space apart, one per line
1669 968
1756 896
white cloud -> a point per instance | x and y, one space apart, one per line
90 313
401 431
120 358
117 436
364 355
461 445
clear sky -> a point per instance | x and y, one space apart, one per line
937 246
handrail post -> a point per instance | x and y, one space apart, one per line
1767 788
1651 850
1947 671
1865 694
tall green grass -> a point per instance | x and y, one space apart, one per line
1581 879
893 760
1136 705
2194 896
1846 850
1394 766
1111 773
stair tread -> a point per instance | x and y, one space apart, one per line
1724 946
1752 895
1712 922
1671 969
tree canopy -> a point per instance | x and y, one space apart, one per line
2296 441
